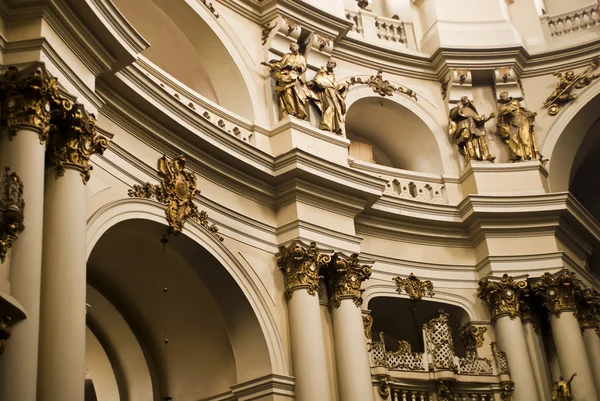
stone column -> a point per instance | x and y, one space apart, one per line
588 309
63 308
300 265
351 355
559 293
535 345
504 297
27 98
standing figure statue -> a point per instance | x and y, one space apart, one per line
515 127
468 131
561 390
330 98
289 84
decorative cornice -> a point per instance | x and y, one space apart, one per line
559 291
414 287
504 296
301 266
346 278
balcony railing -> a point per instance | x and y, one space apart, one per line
390 32
574 21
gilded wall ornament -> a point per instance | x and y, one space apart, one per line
443 390
329 96
323 41
414 287
73 140
562 94
500 359
12 207
5 332
301 265
559 292
467 129
506 390
504 296
177 191
561 390
588 308
515 126
380 86
368 326
266 31
472 336
384 387
28 98
346 279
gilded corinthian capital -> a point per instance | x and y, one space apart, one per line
559 292
28 96
588 308
300 265
346 278
73 140
504 296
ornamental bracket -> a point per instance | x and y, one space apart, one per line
414 287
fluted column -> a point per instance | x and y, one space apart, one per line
505 298
588 309
62 326
300 265
351 355
27 98
559 293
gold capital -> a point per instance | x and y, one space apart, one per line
588 308
346 278
73 140
559 292
5 332
503 296
301 264
12 207
28 96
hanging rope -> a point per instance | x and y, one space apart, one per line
164 240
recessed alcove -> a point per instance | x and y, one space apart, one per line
384 132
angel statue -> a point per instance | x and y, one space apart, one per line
330 98
290 87
467 129
515 127
561 390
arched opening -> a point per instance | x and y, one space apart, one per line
185 46
214 338
392 136
403 319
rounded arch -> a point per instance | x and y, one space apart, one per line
187 42
423 147
140 209
571 137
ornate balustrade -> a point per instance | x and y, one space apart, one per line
391 29
574 21
381 30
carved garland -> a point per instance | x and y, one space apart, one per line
300 265
346 280
177 191
414 287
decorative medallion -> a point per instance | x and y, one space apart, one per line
382 87
5 332
177 191
559 291
414 287
368 325
27 99
12 206
346 279
562 94
472 336
504 296
301 265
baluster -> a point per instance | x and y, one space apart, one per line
559 26
576 23
568 24
395 395
552 27
404 395
594 17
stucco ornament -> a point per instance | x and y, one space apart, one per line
504 296
562 94
472 336
329 97
176 190
346 278
381 86
12 208
559 291
290 87
301 266
414 287
467 130
516 128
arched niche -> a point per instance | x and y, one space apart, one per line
401 134
403 319
216 329
193 50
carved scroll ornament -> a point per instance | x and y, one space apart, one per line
504 297
381 86
176 190
472 336
559 292
346 279
414 287
300 265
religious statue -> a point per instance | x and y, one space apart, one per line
566 83
289 84
468 131
330 98
515 127
561 390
